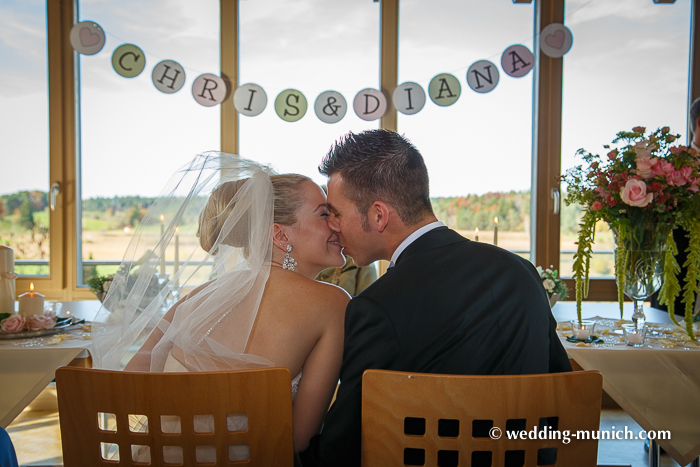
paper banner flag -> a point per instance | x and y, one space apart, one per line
409 98
444 89
556 40
250 99
209 90
291 105
128 60
517 61
87 37
330 107
168 76
482 76
370 104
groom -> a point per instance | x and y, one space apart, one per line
445 305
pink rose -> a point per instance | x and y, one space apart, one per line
644 165
639 129
694 186
662 168
14 323
602 191
612 154
36 322
635 193
596 206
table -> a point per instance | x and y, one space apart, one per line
27 366
658 387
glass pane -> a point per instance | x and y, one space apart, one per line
628 67
478 150
326 45
24 135
133 136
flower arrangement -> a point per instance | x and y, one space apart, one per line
645 181
11 323
552 283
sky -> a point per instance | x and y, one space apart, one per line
628 66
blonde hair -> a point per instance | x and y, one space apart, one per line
288 199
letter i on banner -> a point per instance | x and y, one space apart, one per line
209 90
168 76
250 99
409 98
444 89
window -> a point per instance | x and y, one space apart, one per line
478 150
24 173
628 67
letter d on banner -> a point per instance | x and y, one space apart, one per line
370 104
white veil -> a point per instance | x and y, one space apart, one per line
232 274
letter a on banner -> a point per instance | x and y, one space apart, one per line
409 98
168 76
444 89
482 76
209 90
370 104
291 105
250 99
517 61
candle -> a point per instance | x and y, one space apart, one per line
31 303
635 339
495 230
476 234
582 334
162 245
7 280
177 255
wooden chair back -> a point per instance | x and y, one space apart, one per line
209 418
451 420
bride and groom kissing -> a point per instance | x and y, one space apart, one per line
445 305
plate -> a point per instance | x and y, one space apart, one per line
40 332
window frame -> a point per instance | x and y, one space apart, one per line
64 137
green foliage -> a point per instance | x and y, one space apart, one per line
96 283
670 288
692 277
472 211
582 258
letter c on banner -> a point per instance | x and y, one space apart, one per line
370 104
128 60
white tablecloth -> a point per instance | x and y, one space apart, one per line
27 366
658 387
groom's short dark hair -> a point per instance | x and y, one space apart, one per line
381 165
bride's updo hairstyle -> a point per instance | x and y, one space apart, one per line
288 198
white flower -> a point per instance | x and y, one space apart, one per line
549 285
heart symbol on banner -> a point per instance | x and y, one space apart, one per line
555 40
87 38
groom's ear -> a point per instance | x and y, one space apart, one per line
379 215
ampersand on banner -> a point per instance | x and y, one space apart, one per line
330 107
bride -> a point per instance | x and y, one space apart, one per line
267 238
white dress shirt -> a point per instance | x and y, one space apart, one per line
412 238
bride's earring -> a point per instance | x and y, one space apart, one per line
289 262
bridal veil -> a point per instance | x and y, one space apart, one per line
230 275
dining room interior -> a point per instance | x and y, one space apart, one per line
534 118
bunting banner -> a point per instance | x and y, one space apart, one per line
409 98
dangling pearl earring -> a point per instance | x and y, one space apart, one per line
289 262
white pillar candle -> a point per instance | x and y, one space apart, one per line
582 334
476 234
635 338
495 230
31 303
7 280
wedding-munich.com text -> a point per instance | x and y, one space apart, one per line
566 435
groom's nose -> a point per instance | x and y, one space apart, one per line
333 223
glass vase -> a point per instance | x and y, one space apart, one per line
642 248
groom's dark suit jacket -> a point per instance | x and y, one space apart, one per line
450 306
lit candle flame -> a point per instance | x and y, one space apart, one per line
31 286
495 220
67 312
476 231
162 217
